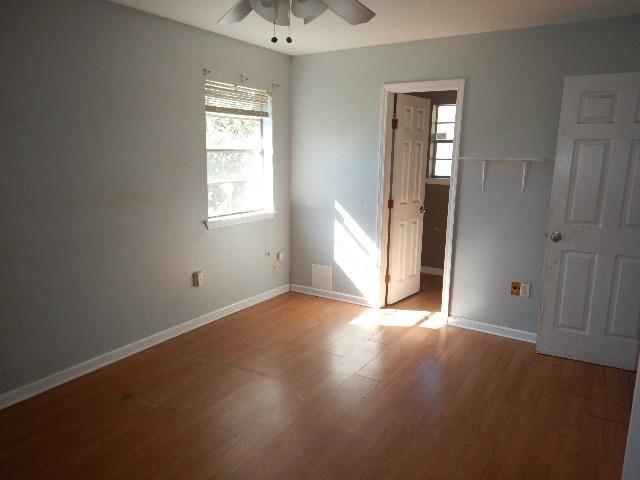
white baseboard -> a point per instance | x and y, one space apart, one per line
342 297
493 329
432 270
58 378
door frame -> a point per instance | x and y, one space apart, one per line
384 171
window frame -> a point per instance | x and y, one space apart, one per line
267 210
434 142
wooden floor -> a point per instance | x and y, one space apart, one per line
301 388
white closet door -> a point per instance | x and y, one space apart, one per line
591 293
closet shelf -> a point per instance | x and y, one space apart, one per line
485 162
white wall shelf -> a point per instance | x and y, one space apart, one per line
485 163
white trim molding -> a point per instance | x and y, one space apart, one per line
432 270
71 373
438 181
341 297
492 329
224 221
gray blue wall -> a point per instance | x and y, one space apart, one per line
511 108
103 181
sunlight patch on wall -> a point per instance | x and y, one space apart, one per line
355 253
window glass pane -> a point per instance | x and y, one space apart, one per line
442 168
226 165
446 113
233 197
444 150
235 181
444 131
233 132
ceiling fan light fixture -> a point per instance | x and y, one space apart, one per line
277 11
272 10
305 8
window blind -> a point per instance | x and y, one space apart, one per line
236 100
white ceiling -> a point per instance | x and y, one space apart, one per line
395 21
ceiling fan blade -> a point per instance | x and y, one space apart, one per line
306 8
352 11
236 13
272 10
320 11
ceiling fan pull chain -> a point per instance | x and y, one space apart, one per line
274 39
289 39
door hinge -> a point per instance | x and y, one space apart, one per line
394 124
387 278
390 203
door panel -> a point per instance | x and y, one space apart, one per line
632 190
415 232
591 291
575 290
407 190
624 318
598 107
417 172
404 173
587 182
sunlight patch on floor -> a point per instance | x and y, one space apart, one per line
435 321
391 318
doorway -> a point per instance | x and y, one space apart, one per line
441 135
417 247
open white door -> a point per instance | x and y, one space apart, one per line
408 175
591 293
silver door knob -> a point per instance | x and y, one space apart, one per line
422 209
555 236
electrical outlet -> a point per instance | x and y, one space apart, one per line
520 289
197 278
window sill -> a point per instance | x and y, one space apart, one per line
238 219
438 181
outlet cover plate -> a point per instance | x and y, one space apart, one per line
321 277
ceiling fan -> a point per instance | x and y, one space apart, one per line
277 11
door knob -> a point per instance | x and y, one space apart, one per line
555 236
422 209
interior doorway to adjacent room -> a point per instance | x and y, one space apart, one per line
420 147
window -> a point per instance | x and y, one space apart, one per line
442 136
238 143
